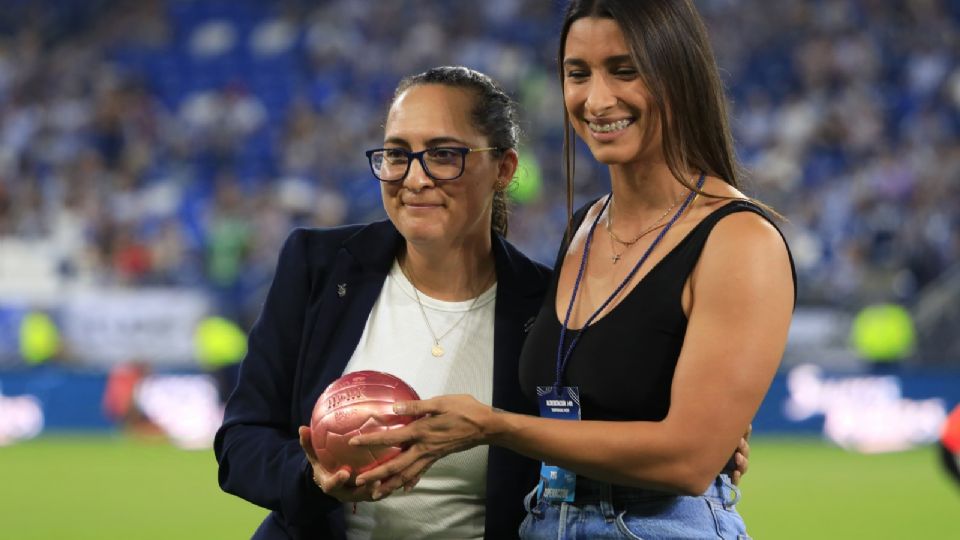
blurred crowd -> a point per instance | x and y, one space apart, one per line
176 142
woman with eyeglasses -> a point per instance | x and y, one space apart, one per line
668 314
434 295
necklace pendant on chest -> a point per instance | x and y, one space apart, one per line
436 350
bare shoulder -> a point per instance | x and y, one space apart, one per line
740 229
716 193
745 251
746 233
745 257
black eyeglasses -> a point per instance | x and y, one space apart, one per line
440 162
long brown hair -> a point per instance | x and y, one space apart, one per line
494 115
669 45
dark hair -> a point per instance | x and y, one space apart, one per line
494 115
669 45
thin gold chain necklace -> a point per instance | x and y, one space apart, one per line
437 349
626 244
613 245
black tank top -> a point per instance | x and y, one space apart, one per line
624 364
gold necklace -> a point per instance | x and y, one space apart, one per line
617 256
626 244
437 350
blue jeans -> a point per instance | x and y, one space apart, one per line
604 510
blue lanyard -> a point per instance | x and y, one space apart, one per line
563 358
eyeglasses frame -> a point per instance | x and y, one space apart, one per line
419 157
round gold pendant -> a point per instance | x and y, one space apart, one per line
437 350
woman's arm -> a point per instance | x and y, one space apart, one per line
741 304
258 446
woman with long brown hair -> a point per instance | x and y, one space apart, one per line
668 312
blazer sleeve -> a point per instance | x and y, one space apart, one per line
257 447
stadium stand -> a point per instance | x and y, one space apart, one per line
174 143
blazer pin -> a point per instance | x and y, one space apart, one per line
341 289
528 325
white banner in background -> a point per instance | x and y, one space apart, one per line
21 417
108 326
864 413
186 407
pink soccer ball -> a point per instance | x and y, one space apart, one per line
358 402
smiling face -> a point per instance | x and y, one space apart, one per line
609 106
441 213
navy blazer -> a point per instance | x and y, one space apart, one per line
325 286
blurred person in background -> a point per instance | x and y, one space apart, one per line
40 340
849 119
229 232
668 314
950 444
884 337
119 398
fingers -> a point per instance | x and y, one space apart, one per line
744 448
390 437
388 469
331 482
408 487
337 484
307 444
304 433
741 456
345 493
387 487
406 479
407 408
327 481
742 463
419 408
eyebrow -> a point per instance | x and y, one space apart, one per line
608 61
436 141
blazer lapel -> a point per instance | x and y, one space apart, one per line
346 297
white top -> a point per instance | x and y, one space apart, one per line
449 501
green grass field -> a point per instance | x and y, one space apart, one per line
119 488
805 488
